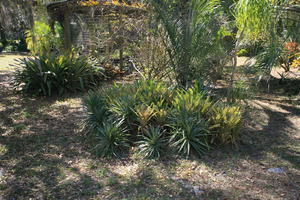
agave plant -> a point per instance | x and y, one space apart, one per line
111 139
152 143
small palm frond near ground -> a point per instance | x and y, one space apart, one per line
112 139
152 142
52 74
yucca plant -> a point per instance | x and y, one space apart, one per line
122 108
96 111
52 74
189 133
152 142
226 123
111 139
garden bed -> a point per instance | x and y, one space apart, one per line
43 155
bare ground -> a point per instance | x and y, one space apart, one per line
43 155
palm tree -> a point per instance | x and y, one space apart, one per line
192 27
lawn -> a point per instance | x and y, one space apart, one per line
44 155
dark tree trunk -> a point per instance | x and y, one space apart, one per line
3 36
67 31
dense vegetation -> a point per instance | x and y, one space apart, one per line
175 42
54 74
152 116
149 99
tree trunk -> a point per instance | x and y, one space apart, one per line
3 36
67 30
184 71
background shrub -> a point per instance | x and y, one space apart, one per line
52 74
45 39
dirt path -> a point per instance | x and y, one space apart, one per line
43 155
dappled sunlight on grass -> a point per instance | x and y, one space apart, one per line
9 62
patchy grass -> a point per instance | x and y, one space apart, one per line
43 155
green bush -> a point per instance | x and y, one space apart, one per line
189 132
9 48
14 46
97 111
152 142
112 139
157 116
52 74
45 39
226 123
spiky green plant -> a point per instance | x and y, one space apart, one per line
122 108
189 133
153 92
52 74
111 139
152 142
97 111
144 114
192 101
226 123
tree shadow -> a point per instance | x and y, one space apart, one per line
37 153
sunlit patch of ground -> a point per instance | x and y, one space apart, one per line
9 62
44 155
